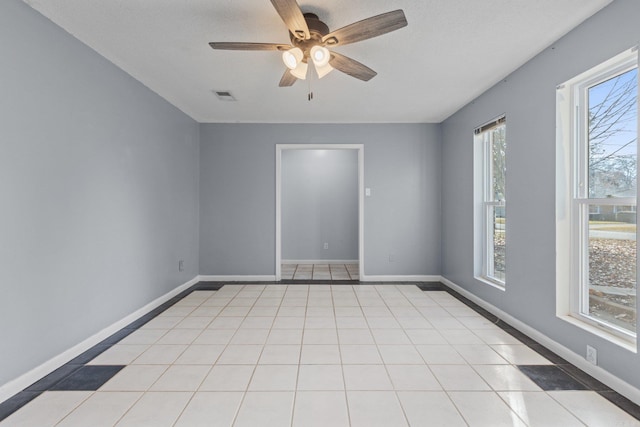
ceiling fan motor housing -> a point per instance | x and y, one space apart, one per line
317 30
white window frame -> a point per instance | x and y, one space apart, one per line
572 200
485 203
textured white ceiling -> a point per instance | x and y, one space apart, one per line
451 51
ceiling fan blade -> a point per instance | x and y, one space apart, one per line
293 18
367 28
287 79
351 67
248 46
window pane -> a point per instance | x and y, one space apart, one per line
612 265
497 258
492 138
499 168
613 136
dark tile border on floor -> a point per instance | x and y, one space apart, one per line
77 375
87 378
432 286
16 402
551 377
567 373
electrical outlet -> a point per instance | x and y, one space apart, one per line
592 355
326 245
181 265
392 258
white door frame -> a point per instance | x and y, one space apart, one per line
279 149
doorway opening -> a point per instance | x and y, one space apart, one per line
326 252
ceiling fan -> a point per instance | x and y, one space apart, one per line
310 38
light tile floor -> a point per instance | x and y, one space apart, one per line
320 272
326 355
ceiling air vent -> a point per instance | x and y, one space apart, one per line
224 95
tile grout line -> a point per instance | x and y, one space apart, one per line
395 392
193 393
505 327
75 407
394 314
142 394
246 390
447 392
344 378
431 372
237 412
295 393
575 416
144 319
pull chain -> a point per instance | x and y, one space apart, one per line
310 94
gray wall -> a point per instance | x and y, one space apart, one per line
237 194
319 204
528 99
99 192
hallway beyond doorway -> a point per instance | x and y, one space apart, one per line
292 271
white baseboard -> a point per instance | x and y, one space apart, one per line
319 261
398 278
617 384
237 278
17 385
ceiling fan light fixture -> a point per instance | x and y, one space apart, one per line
292 58
323 70
300 71
320 56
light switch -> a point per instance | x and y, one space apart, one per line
367 192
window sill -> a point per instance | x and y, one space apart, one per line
602 332
486 281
